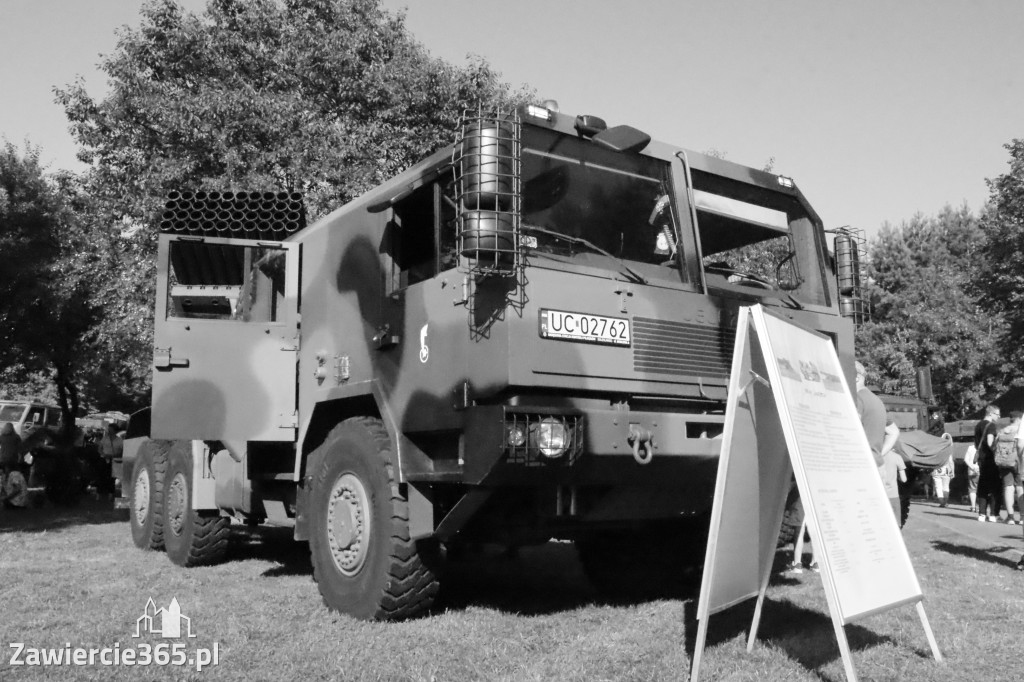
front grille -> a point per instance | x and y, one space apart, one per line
682 348
528 454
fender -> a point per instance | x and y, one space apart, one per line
364 398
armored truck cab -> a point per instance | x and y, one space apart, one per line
526 336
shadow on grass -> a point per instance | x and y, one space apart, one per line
44 516
548 579
268 543
990 554
530 582
807 637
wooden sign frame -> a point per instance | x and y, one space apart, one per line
790 413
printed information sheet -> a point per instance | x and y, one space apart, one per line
863 547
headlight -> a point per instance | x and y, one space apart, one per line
515 435
552 437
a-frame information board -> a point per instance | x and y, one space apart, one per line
790 412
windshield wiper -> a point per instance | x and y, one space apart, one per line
637 277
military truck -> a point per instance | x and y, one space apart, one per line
525 336
918 412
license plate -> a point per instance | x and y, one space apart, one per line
569 326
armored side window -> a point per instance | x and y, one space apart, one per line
225 282
420 223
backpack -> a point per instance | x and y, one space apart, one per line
1006 450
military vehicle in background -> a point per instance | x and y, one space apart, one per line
916 412
526 336
28 417
923 441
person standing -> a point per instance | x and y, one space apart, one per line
1006 463
941 476
894 469
798 551
10 446
880 429
10 451
985 432
111 447
882 434
13 486
971 462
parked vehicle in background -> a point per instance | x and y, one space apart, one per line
100 449
923 442
28 416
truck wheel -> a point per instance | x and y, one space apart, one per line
146 497
363 559
192 538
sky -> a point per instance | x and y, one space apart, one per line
879 110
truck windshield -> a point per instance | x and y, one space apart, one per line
756 239
11 413
575 188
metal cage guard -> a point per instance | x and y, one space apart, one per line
488 192
851 254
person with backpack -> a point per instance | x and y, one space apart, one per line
988 473
1005 457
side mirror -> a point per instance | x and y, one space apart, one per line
791 279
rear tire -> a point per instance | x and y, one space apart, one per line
192 538
364 562
146 497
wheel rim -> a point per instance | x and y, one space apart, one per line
177 503
140 498
348 524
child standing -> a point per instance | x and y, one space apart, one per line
893 469
941 476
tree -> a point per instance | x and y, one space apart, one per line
927 311
1002 276
47 310
325 97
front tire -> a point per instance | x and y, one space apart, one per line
192 538
146 497
364 562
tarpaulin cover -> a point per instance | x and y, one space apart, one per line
923 449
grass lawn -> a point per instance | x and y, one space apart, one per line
73 577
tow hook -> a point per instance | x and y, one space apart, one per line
638 438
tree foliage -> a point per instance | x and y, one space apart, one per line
48 310
325 97
1002 277
927 310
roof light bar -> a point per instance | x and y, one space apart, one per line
540 112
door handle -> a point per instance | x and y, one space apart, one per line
162 360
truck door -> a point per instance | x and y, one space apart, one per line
225 339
